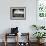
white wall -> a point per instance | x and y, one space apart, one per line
24 25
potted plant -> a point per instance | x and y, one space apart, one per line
38 27
39 35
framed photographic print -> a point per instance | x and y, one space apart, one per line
17 13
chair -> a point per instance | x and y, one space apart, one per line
26 41
7 35
14 32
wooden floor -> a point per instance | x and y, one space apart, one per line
13 44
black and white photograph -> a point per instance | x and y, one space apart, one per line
18 13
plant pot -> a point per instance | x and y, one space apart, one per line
40 40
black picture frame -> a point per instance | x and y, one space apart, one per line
18 13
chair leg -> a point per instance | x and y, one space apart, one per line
5 43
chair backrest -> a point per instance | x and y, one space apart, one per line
24 37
